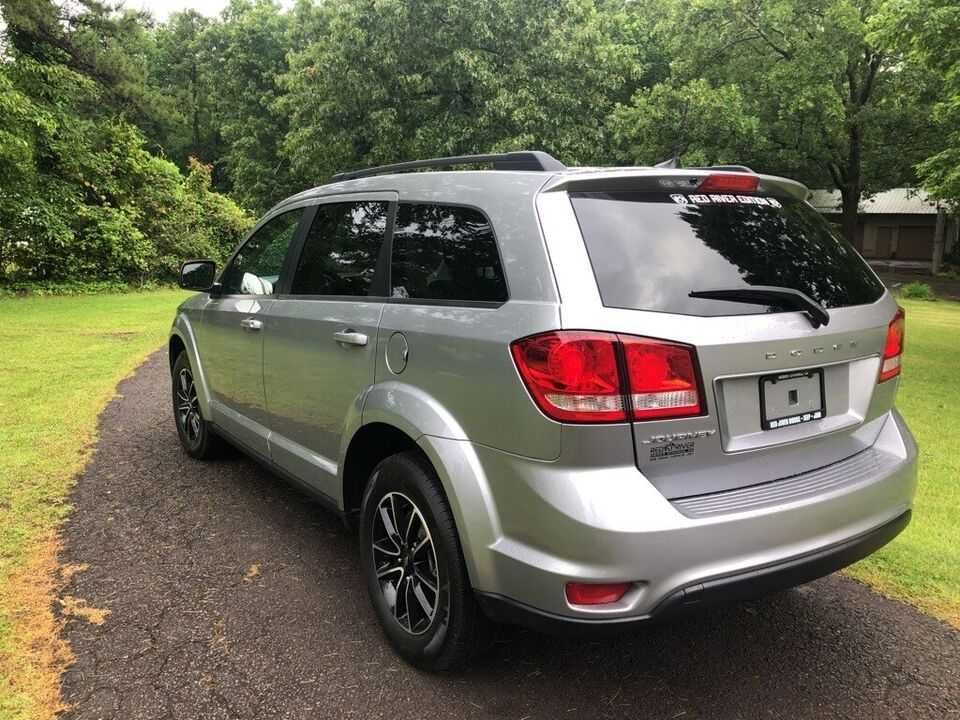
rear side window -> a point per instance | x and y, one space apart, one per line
443 252
649 250
340 251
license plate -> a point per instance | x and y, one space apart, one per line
791 398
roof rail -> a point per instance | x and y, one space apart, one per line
523 160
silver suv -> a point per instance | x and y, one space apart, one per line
571 398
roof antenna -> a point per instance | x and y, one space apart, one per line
673 162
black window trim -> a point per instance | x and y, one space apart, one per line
480 304
296 247
382 275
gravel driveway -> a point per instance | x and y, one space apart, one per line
231 595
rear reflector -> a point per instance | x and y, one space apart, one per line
893 347
595 593
729 182
594 377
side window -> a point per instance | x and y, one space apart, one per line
340 252
445 253
256 268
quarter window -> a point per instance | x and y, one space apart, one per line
340 252
445 253
257 267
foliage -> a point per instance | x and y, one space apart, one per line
81 197
392 80
928 31
917 291
796 87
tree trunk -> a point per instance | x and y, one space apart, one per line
849 218
938 241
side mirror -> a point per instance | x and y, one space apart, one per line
198 275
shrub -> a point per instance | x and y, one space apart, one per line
917 291
82 200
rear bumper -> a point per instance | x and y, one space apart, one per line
713 591
529 527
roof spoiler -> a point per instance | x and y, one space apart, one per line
530 160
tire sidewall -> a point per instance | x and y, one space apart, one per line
401 473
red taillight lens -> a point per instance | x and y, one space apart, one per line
893 347
592 377
595 593
572 375
663 379
729 182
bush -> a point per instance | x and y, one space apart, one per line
89 287
917 291
82 200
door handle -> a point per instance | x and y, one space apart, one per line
349 337
251 324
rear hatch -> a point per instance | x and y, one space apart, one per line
785 322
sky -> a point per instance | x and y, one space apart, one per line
161 9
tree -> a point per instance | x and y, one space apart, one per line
251 45
181 70
392 80
82 199
827 102
928 31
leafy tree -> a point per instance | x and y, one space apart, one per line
826 100
98 40
181 70
928 31
251 44
82 199
391 80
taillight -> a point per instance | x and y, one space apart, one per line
663 379
729 182
594 377
595 593
573 375
893 347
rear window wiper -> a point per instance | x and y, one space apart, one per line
771 295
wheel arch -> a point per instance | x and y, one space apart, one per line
182 339
399 418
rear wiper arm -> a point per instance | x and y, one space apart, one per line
771 295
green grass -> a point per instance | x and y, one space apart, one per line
62 359
922 566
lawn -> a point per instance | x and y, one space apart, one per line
922 566
63 357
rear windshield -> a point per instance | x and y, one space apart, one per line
649 250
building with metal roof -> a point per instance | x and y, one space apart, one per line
895 225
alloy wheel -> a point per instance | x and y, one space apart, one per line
406 563
188 407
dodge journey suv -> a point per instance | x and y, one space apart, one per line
571 398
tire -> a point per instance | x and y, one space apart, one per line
196 435
424 551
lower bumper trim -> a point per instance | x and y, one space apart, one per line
718 590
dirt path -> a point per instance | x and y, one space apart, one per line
230 595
